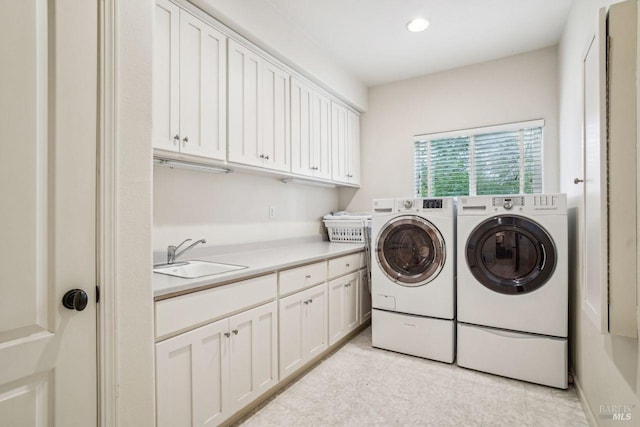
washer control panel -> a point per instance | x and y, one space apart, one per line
418 205
432 204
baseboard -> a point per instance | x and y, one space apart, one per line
591 418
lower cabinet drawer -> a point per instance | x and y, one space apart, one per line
188 311
534 358
299 278
345 264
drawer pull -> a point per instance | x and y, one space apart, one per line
348 265
308 276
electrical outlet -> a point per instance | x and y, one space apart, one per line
272 212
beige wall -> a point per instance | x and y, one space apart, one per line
513 89
234 208
606 367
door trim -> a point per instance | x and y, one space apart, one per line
107 221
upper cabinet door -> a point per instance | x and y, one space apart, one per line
353 133
245 79
301 128
310 131
166 100
321 142
345 145
339 148
276 148
202 89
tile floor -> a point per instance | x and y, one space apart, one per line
363 386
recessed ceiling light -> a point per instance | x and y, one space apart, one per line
417 25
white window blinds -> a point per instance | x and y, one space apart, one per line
503 159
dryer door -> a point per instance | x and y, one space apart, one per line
511 254
410 250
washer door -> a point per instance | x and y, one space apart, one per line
511 254
410 250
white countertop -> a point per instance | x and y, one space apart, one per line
278 256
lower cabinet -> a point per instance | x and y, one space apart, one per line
205 375
365 296
343 306
303 328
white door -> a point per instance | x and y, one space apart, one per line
339 141
353 147
192 377
365 296
244 115
594 209
321 144
202 89
292 317
336 310
253 353
48 114
276 146
316 322
166 69
351 315
301 128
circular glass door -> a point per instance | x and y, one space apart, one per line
410 250
511 254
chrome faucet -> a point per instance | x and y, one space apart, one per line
172 251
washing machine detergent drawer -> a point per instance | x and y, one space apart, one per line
534 358
414 335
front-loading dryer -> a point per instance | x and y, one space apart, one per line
512 286
413 276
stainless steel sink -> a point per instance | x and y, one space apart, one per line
195 269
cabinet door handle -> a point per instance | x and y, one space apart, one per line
235 332
311 301
266 157
176 137
261 156
227 334
185 139
306 302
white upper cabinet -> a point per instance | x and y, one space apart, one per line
310 131
166 71
258 111
189 114
345 145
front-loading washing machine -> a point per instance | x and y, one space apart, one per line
512 286
413 276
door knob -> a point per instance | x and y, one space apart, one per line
75 299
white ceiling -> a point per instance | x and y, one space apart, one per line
369 37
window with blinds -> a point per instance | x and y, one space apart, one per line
504 159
